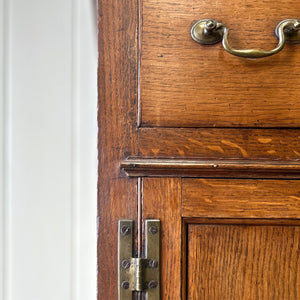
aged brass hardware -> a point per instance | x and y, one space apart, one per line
210 32
138 274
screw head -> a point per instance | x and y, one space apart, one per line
210 25
152 284
297 25
125 230
125 285
153 229
153 263
125 264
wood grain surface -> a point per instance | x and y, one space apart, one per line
162 200
243 262
117 195
218 198
273 144
220 168
184 84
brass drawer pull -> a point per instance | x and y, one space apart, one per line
210 32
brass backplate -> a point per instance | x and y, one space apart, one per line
207 32
125 284
292 35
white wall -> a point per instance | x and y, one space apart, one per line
48 157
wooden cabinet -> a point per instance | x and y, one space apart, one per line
207 142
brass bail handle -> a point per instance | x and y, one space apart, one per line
208 32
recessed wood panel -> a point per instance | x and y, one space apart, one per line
277 144
243 262
239 198
190 85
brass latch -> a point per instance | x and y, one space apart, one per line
138 274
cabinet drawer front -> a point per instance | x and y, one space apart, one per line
221 198
191 85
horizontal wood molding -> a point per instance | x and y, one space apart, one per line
210 168
241 221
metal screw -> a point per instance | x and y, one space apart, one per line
297 25
152 284
125 264
153 263
125 285
153 229
125 230
210 25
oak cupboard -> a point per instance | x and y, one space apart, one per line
207 142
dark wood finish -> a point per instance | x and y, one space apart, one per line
218 198
237 221
117 132
234 168
272 144
243 262
162 200
184 84
248 225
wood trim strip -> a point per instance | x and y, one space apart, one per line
243 221
117 86
220 143
210 168
167 192
240 198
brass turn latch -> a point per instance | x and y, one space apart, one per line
138 274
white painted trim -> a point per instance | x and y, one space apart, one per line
80 177
2 134
6 157
84 156
87 152
75 157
